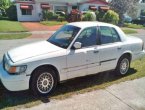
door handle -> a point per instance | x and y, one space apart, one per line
96 51
119 48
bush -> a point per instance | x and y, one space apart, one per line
48 15
96 12
100 15
12 13
111 17
136 21
89 16
61 18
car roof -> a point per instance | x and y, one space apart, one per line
85 24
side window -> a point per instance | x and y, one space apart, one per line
115 35
88 37
108 35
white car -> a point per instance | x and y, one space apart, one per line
77 49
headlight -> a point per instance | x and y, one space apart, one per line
15 69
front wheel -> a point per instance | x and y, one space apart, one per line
123 65
43 82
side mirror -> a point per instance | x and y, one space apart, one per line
77 45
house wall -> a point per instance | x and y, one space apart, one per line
37 11
33 17
85 7
60 1
141 6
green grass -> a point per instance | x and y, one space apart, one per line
53 23
134 26
129 31
13 36
12 100
11 26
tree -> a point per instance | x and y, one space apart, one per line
4 5
123 6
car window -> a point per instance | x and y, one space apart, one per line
64 36
108 35
88 37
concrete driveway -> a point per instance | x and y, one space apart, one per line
128 95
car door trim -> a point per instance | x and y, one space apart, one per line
108 60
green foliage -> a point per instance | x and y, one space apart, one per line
48 15
61 18
100 15
111 17
89 17
96 12
11 26
53 23
129 31
14 36
12 13
134 26
4 5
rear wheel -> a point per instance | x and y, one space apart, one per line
123 65
43 81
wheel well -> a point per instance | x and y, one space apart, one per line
46 66
127 54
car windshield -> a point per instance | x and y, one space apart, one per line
64 36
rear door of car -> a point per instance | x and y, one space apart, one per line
109 49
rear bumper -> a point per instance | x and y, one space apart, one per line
14 82
139 55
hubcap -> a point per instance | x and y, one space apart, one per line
45 83
124 66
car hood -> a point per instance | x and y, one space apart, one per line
32 50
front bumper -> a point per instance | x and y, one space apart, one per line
14 82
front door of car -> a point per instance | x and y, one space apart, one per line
109 49
84 61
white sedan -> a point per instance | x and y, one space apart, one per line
77 49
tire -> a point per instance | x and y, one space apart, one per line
123 65
43 81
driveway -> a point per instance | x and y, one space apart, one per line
128 95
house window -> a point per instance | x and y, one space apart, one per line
26 11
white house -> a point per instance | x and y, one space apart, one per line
141 7
31 10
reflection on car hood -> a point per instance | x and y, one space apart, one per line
32 50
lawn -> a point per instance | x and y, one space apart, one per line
134 26
11 26
13 36
53 23
12 100
129 31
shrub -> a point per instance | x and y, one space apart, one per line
12 13
48 15
89 16
100 15
111 17
61 18
136 21
96 12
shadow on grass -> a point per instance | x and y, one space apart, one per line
10 99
